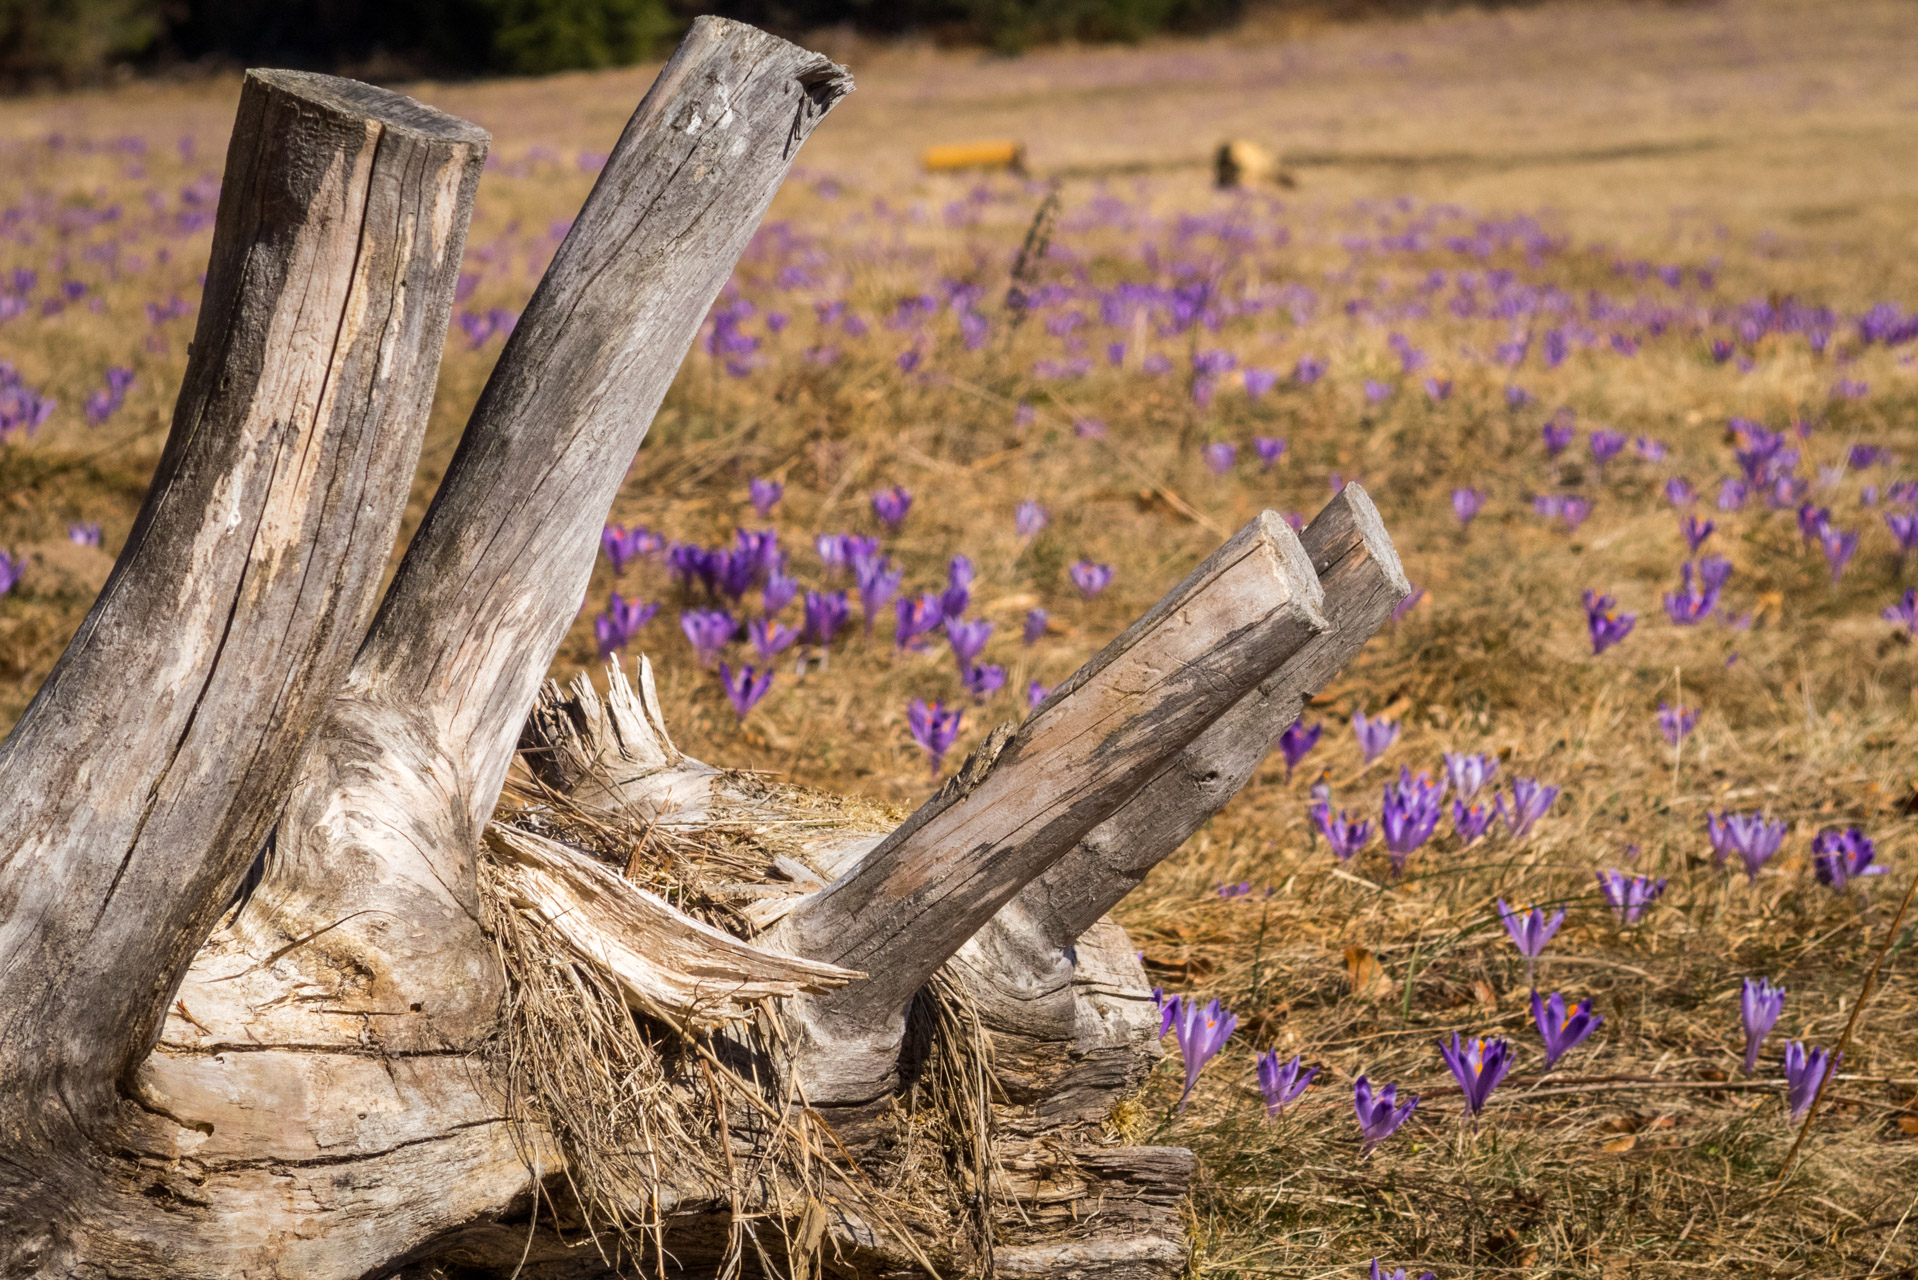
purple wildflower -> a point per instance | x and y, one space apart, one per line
1573 510
1530 800
1748 835
1282 1082
1840 856
1220 455
1628 895
1035 626
1410 815
1695 531
1531 932
1839 545
1693 602
86 533
878 583
745 687
891 506
1090 578
1296 741
934 728
1605 446
1733 493
1905 612
1438 390
1345 834
826 613
1374 735
709 630
1397 1273
1469 821
1035 694
917 615
1269 448
1258 382
765 495
1466 504
1029 518
1679 492
1379 1118
1676 723
12 568
1806 1070
957 596
1405 606
1467 773
983 679
1558 435
1606 625
1904 528
769 638
1200 1034
1308 370
1478 1066
1377 392
968 639
1560 1029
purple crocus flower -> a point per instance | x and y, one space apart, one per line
1374 735
1308 370
1467 773
968 639
1410 815
1605 446
1676 723
878 583
620 546
1200 1034
1628 895
765 495
1219 456
1478 1066
1560 1029
1693 602
12 568
1395 1274
1679 492
1035 694
769 638
1557 435
1904 528
1379 1117
1345 834
1748 835
1258 382
1028 518
1035 626
1438 390
1466 504
85 533
779 591
1282 1082
1840 856
1090 578
1269 448
1806 1071
982 679
917 615
1405 606
891 506
1531 932
745 687
1839 545
957 596
709 630
1469 821
1530 800
1604 623
1733 493
826 613
1905 612
622 621
934 728
1695 531
1377 392
1296 741
1759 1004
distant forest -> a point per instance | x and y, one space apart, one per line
45 42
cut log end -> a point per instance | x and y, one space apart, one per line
354 100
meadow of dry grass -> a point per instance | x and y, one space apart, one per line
1468 182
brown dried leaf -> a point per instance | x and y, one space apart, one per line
1361 969
1618 1146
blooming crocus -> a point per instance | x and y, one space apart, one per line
622 620
1404 607
1035 694
769 638
84 534
1345 834
1557 435
1308 370
1282 1082
1905 612
957 596
1748 835
1258 382
982 679
11 570
1438 390
1379 1117
1676 723
619 544
826 613
878 583
891 506
967 639
1090 578
1806 1071
1759 1004
1478 1066
1530 800
1035 626
1269 448
1296 741
1574 510
934 728
1377 392
1467 772
765 495
1374 735
744 687
1605 446
778 592
1200 1034
1531 932
1219 456
1397 1273
1695 531
1628 895
1560 1029
1840 856
1466 504
1469 821
1733 494
1679 492
1028 518
1904 528
1604 623
709 630
1410 815
1693 602
1839 545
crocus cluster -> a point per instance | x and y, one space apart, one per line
1751 836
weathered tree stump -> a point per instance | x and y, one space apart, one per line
286 989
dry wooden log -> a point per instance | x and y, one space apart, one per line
144 777
1026 797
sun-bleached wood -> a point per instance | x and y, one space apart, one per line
143 778
1026 797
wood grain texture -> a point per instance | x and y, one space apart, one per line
1026 797
145 775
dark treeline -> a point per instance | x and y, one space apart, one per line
77 41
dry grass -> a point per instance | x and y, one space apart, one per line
1771 143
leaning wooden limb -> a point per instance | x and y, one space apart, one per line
1026 797
145 775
